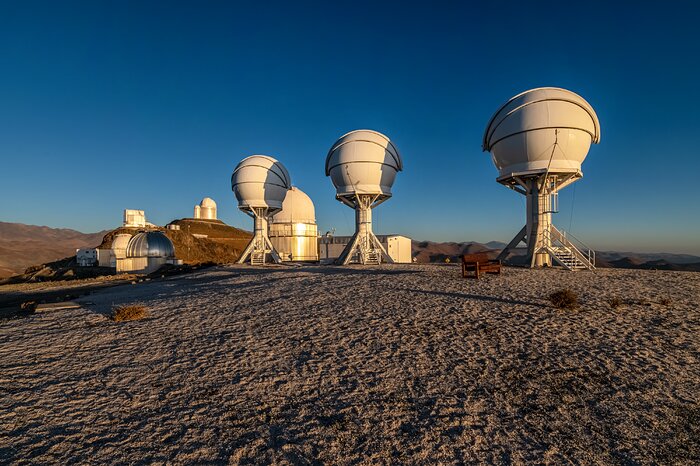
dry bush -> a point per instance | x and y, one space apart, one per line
128 312
28 307
564 299
615 302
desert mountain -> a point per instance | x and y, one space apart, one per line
428 251
22 246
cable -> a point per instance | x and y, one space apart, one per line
573 201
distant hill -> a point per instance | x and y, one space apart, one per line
48 253
223 243
643 257
428 251
22 246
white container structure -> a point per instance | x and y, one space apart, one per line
362 165
397 247
205 210
134 218
538 140
293 230
260 184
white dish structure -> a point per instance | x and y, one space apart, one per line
363 165
538 140
260 184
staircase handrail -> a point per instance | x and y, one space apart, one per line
565 237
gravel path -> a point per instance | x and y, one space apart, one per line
390 365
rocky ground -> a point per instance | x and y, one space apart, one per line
397 364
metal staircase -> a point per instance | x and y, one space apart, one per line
257 258
371 257
566 253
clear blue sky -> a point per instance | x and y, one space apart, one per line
147 105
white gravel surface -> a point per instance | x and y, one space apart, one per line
389 365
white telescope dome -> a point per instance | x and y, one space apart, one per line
260 181
121 241
363 162
521 135
296 208
208 202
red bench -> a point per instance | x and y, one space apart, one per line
479 263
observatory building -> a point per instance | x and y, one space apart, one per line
260 184
205 210
538 140
397 247
134 218
91 257
146 252
362 165
293 230
142 253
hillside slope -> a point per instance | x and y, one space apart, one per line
22 246
222 245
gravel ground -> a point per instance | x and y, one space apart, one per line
395 364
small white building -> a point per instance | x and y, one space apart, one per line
92 257
134 218
86 257
397 247
205 210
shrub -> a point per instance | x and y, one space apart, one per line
128 312
564 299
615 302
28 307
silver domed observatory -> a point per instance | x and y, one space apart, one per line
538 140
150 244
260 184
362 165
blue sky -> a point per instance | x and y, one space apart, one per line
147 105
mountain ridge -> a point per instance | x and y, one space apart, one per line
23 246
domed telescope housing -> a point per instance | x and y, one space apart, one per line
205 210
293 230
362 165
538 140
260 184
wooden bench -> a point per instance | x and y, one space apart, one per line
479 263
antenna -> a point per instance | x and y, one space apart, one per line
538 140
260 184
362 165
